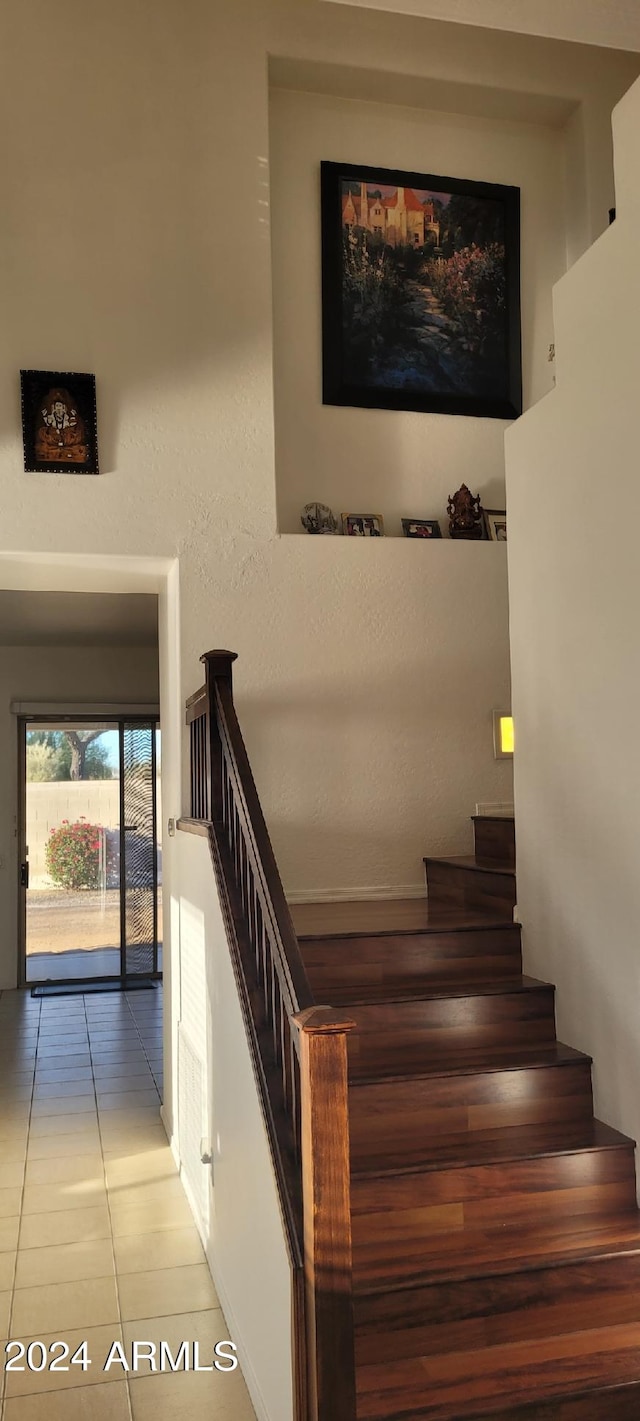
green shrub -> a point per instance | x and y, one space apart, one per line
73 854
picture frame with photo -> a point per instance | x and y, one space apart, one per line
363 525
495 524
421 528
59 422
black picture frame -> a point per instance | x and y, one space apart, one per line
424 528
445 349
59 422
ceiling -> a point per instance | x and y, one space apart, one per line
615 24
78 619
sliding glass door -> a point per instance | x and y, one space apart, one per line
90 862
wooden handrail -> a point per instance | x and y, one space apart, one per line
298 1049
327 1214
295 983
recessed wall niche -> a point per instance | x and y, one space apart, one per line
398 463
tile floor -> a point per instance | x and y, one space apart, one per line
97 1240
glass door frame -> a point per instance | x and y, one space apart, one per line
125 723
117 720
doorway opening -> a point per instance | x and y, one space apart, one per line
90 870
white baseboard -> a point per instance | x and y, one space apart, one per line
235 1336
173 1144
356 895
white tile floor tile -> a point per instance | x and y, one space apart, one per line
97 1239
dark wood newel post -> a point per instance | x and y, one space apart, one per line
218 671
326 1191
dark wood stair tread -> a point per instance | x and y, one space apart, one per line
495 1251
471 863
481 1061
490 1381
387 917
484 1260
416 1061
608 1402
424 989
505 1144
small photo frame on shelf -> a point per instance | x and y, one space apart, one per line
363 525
495 523
421 528
59 427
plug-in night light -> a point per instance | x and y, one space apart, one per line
503 734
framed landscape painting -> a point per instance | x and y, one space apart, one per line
420 292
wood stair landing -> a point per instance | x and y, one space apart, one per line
495 1229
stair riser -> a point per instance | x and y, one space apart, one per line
390 1036
467 888
495 839
487 1312
415 1207
417 1402
479 955
620 1404
497 1381
388 1117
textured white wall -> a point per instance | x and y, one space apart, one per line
575 590
135 188
244 1239
367 673
367 676
473 70
583 21
397 463
50 673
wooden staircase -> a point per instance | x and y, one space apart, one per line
463 1236
495 1231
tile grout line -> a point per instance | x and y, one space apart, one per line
51 1025
111 1234
146 1055
24 1179
83 1385
24 1185
80 1384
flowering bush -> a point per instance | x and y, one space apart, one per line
73 854
470 286
373 300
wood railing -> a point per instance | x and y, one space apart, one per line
298 1050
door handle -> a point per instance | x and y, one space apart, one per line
24 875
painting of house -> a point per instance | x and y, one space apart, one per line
401 216
421 292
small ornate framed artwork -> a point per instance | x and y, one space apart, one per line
59 426
421 528
495 522
362 525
